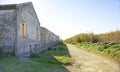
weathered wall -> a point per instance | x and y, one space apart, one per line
8 27
26 13
47 38
12 18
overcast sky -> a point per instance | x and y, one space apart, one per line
70 17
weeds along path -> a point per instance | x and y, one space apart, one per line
89 62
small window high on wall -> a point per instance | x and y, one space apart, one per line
24 29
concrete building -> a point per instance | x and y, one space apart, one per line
21 32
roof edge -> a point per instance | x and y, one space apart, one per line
12 6
8 7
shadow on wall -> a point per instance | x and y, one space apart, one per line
57 56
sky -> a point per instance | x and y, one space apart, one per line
67 18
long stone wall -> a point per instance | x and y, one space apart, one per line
47 38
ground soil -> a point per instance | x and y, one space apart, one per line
89 62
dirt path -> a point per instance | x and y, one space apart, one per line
88 62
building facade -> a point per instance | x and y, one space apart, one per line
21 32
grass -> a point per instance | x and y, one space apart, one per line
111 50
64 60
13 64
48 61
60 56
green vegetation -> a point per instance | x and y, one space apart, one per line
111 50
60 56
90 37
12 64
1 53
48 61
107 44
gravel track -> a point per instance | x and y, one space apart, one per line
89 62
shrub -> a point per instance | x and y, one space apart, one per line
34 55
1 52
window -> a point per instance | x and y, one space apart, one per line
37 34
24 28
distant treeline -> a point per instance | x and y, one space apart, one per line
94 38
